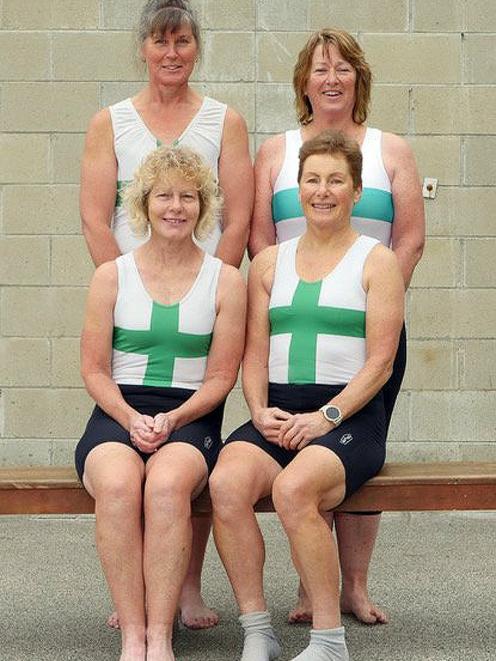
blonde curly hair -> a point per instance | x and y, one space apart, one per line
159 165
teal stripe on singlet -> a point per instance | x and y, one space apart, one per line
286 204
374 204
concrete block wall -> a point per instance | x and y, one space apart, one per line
435 82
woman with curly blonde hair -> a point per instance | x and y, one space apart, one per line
161 346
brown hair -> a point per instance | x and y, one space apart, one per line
158 166
332 143
352 53
159 16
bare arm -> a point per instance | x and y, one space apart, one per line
255 362
267 165
383 283
236 182
225 352
98 189
409 222
96 346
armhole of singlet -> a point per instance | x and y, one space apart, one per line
378 140
371 245
216 269
284 164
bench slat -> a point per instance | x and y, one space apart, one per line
398 487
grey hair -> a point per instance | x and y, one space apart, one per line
158 16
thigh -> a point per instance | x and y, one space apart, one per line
246 470
203 434
316 474
102 429
248 433
112 467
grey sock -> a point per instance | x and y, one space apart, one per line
261 643
325 645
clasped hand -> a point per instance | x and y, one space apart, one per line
292 432
148 434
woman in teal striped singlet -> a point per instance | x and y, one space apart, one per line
167 111
332 83
161 347
324 317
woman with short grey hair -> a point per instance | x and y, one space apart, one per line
167 111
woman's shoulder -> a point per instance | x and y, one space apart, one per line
272 146
100 125
381 257
230 276
398 156
264 260
395 146
106 273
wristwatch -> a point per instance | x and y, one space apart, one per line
332 414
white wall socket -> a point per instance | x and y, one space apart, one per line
429 187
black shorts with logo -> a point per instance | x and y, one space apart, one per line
359 441
203 433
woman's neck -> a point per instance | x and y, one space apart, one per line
344 124
159 251
167 95
317 239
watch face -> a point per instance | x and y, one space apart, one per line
332 413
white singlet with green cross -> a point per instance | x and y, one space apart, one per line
317 329
163 345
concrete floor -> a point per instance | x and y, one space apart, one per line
435 574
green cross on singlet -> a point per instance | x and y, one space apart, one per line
162 343
305 319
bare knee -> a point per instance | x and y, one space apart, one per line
119 492
232 491
169 496
293 498
225 491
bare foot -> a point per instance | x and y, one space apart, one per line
193 612
113 621
302 613
358 604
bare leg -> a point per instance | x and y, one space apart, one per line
356 538
113 476
302 612
312 483
174 475
244 473
193 611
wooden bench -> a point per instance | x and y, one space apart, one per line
399 487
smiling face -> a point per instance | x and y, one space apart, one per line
331 82
170 57
327 192
173 207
